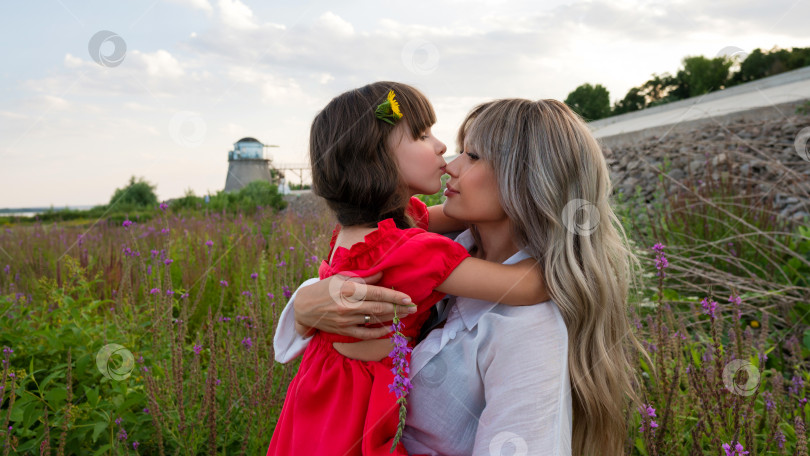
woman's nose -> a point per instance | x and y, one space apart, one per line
451 168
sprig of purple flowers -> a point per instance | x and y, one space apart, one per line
402 384
660 260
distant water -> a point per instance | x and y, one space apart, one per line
31 211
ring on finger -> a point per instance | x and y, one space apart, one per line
367 319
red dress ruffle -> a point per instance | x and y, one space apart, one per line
343 407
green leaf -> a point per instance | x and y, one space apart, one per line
32 412
98 428
102 450
807 339
57 374
56 396
92 395
82 362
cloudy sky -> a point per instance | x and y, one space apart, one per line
172 84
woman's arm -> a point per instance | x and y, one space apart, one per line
519 284
336 305
438 222
289 344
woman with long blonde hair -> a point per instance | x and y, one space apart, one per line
530 178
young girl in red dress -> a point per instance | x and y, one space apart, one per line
371 150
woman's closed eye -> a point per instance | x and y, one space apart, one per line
471 155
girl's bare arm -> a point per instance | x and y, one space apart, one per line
519 284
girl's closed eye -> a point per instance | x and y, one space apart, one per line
469 154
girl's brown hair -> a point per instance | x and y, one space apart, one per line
353 167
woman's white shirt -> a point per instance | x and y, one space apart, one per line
493 379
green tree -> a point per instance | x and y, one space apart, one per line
702 75
660 89
136 193
761 64
590 102
260 193
633 101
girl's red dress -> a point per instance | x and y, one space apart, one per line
343 407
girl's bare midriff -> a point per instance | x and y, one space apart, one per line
367 350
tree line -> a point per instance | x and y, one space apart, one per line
698 75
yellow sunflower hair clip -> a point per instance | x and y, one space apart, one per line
388 110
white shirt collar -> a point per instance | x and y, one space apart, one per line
471 310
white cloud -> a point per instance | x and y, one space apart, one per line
198 4
331 22
237 15
158 64
73 62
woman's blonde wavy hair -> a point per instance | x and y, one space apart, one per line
555 186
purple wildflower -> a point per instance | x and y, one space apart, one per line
126 224
768 397
217 382
7 269
709 307
401 384
647 413
197 349
737 451
169 292
163 206
184 296
797 385
660 260
135 445
254 276
154 291
209 243
168 261
287 292
247 342
149 270
282 263
122 434
165 231
708 354
270 296
223 283
146 410
780 439
118 421
7 350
